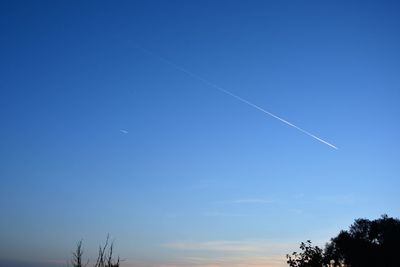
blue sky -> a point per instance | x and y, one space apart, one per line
101 137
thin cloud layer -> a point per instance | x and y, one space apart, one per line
222 261
232 246
253 201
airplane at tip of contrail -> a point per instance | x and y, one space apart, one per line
221 89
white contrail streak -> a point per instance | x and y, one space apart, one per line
219 88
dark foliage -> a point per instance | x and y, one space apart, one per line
366 244
309 257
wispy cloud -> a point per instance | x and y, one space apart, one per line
123 131
346 199
222 261
253 201
216 253
263 246
223 214
299 195
224 253
248 201
225 246
296 211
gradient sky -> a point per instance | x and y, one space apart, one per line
98 136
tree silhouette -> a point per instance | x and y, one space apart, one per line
105 256
366 244
77 256
310 257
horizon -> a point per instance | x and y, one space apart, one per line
201 133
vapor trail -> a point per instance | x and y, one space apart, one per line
219 88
